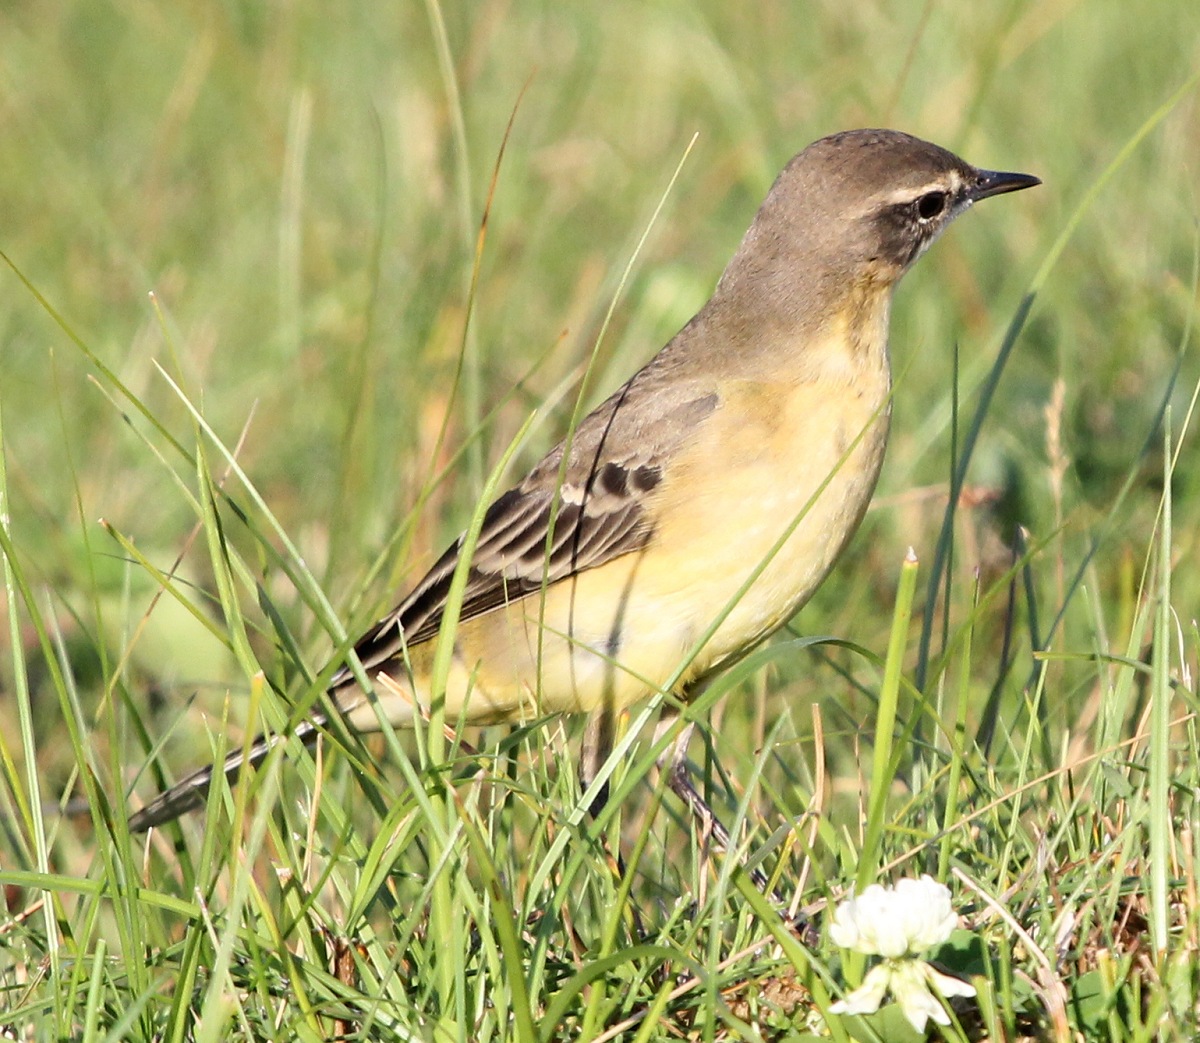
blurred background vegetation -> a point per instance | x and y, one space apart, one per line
302 192
301 186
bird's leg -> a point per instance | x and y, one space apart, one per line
597 745
673 761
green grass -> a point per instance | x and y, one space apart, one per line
303 416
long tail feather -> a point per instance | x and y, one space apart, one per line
191 792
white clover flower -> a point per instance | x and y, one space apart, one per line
897 924
913 916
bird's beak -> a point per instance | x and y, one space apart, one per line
997 182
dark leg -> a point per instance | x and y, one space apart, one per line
674 762
597 744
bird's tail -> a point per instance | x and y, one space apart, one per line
190 793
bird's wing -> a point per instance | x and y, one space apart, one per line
556 522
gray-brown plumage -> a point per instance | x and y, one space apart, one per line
750 444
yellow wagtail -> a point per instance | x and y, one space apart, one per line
750 443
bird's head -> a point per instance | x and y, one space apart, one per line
859 205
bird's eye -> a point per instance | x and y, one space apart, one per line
930 205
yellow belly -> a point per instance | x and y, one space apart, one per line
612 635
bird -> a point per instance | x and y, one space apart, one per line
692 513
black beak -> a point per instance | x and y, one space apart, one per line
997 182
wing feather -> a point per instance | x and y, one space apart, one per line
601 507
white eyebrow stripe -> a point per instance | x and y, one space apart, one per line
951 184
